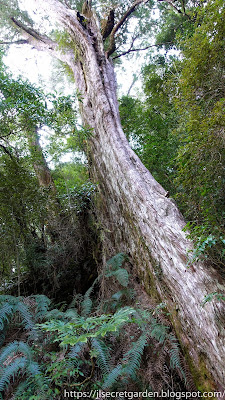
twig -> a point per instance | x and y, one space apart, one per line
133 50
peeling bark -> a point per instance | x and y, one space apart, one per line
137 216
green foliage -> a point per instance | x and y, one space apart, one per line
25 207
175 25
11 371
42 305
17 358
201 156
83 329
132 359
205 246
149 124
10 306
116 261
79 197
102 354
24 107
113 269
177 129
95 332
10 9
215 295
22 206
87 339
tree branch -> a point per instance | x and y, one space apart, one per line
120 23
6 151
135 78
126 16
183 5
20 41
133 50
172 5
31 32
170 2
39 41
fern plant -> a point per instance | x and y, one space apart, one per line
113 268
129 365
77 346
25 311
16 359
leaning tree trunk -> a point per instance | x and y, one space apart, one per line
138 217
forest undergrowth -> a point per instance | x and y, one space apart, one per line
113 343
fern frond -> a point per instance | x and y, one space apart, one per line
10 371
71 314
27 317
75 350
42 305
123 314
174 352
121 275
34 369
86 304
112 377
6 311
102 351
5 298
53 314
34 387
132 359
13 348
76 300
158 331
21 389
116 262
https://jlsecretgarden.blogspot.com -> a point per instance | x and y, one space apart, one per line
100 394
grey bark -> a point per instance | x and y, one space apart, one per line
138 217
40 165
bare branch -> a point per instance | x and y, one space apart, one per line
130 10
35 39
135 78
20 41
134 50
28 30
126 16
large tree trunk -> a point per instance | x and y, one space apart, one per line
136 215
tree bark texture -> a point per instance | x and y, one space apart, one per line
137 216
40 165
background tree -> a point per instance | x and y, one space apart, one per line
32 216
149 123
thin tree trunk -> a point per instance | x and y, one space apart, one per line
136 215
40 165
